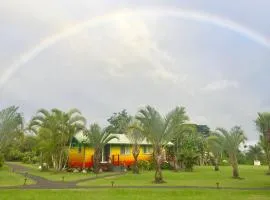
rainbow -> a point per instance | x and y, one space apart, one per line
111 17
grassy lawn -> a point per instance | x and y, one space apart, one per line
8 178
56 176
130 194
202 176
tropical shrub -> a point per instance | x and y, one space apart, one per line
14 155
30 158
143 165
166 165
189 158
55 130
242 159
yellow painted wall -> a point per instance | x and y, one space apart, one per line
76 157
127 159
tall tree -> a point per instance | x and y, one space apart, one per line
11 126
97 139
263 126
118 123
55 130
28 143
230 142
136 137
159 131
181 134
215 145
203 130
255 152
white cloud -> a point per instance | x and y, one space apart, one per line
200 119
132 61
221 85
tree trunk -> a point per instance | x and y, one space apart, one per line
136 152
266 149
235 171
60 161
67 155
158 174
175 164
201 159
97 155
158 160
53 161
216 164
235 166
83 156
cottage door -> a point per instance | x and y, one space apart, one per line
106 153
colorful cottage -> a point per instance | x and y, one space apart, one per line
117 152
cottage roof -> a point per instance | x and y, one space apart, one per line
122 139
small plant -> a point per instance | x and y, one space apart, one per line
25 179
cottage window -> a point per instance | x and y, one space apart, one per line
146 149
125 150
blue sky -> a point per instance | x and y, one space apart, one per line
219 75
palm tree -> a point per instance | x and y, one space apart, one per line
11 125
255 152
97 139
159 131
55 130
263 126
135 136
215 145
230 142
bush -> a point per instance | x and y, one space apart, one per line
189 159
143 165
152 164
166 165
29 158
14 155
1 160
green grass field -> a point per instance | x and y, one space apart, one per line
202 176
130 194
8 178
56 176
